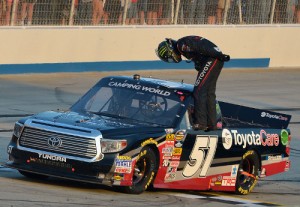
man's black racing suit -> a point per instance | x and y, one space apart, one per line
209 61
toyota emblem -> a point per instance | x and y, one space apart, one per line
54 142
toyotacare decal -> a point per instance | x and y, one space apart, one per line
249 139
226 139
273 116
284 135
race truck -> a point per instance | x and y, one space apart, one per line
135 132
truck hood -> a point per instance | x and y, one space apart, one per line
107 125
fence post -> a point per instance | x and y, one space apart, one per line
125 12
272 11
72 13
226 12
240 11
14 15
176 12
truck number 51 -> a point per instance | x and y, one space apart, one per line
201 156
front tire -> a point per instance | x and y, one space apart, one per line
145 170
248 173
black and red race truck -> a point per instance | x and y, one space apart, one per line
135 132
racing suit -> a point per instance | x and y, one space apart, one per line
209 61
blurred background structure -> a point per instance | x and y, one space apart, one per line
147 12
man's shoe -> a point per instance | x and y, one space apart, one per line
199 127
212 128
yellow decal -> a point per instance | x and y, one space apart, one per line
242 191
149 141
124 158
248 153
177 151
142 153
150 180
170 137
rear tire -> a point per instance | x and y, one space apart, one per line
248 173
144 173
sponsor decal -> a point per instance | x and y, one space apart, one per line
234 170
269 139
273 116
118 177
284 137
203 73
175 157
287 165
228 181
178 144
169 131
122 157
169 144
123 164
170 137
167 157
226 139
50 163
165 163
274 157
177 151
166 150
149 141
179 136
170 176
52 157
172 170
140 88
244 140
174 164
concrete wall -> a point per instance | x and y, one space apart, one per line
28 46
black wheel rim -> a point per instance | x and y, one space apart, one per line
246 174
139 170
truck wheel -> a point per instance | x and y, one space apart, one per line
33 175
144 171
248 173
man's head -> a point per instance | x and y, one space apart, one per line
167 51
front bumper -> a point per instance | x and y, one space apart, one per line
99 172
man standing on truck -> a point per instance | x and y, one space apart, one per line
209 61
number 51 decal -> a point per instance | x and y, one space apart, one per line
201 157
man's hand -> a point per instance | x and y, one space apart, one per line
225 58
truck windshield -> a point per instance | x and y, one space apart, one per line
142 104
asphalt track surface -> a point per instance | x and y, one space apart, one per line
21 95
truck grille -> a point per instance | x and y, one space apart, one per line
69 145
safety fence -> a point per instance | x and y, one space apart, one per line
147 12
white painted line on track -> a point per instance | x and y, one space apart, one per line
225 199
